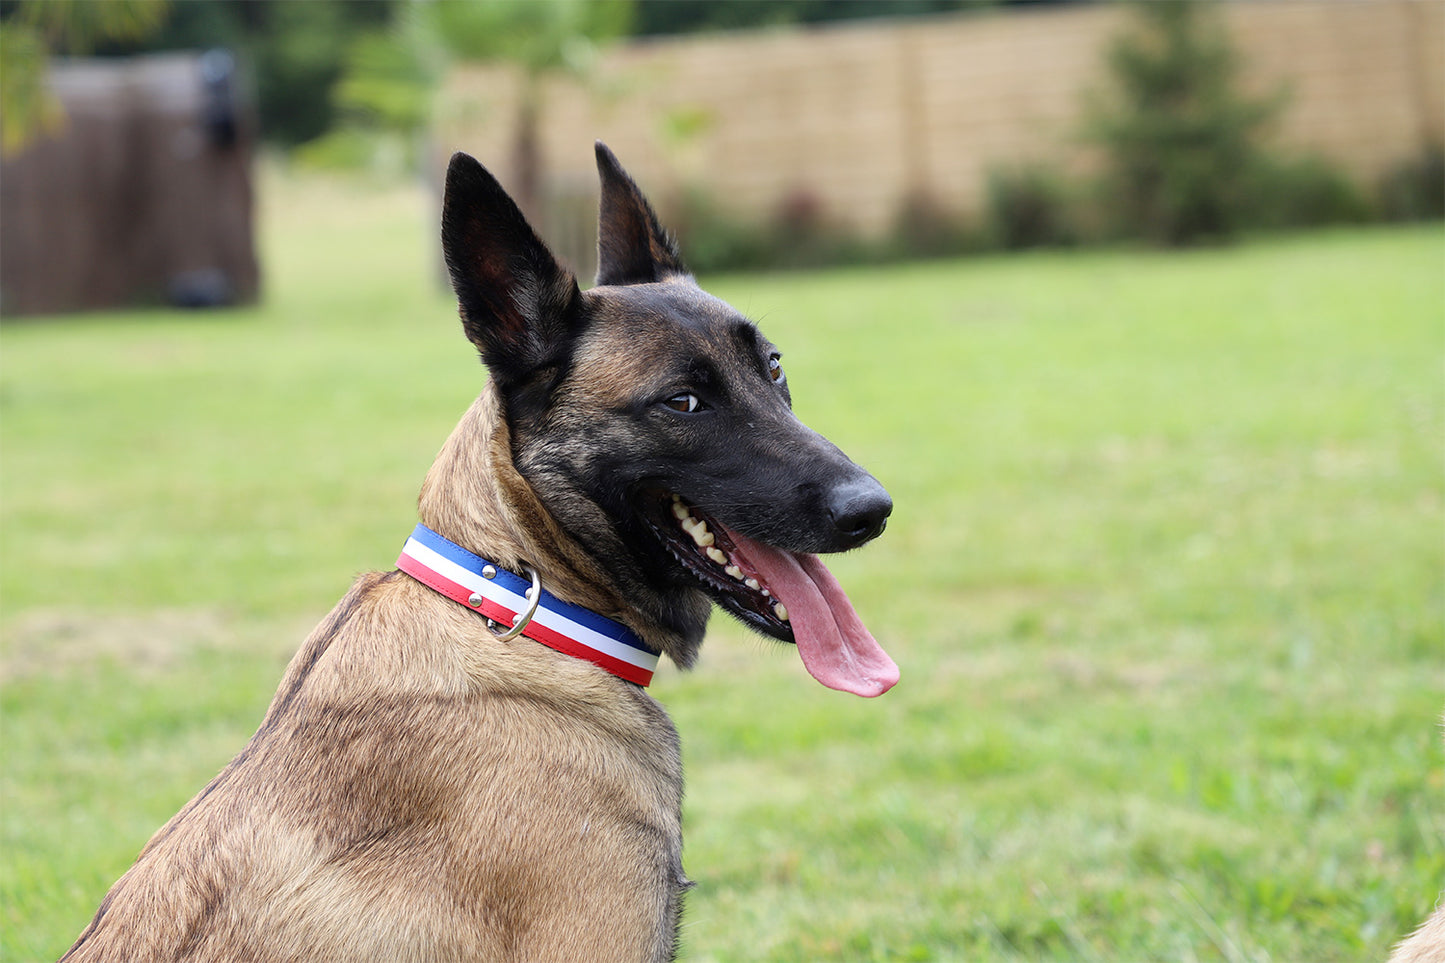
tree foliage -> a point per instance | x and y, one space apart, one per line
693 16
556 35
294 51
32 30
1183 144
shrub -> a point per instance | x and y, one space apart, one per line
1415 189
1304 191
1181 143
798 235
714 241
801 235
1029 206
924 227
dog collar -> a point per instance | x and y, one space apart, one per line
500 595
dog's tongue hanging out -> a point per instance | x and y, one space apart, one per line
837 648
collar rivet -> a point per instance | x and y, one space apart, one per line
475 600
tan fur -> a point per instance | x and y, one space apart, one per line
420 791
1426 944
619 360
512 522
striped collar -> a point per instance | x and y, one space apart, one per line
500 595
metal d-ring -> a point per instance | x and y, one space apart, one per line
535 594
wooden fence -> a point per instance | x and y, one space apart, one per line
857 119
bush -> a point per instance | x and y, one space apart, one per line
1028 207
801 235
925 228
714 241
1182 145
1415 189
798 235
1304 191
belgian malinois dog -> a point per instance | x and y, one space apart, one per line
461 762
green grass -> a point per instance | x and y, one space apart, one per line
1166 581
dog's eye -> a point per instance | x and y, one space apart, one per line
686 402
775 370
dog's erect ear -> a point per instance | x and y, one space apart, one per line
632 248
519 306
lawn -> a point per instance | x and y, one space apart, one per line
1166 582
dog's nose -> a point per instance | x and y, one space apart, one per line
859 509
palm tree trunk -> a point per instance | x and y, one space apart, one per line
527 152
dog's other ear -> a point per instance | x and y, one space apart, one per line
632 248
518 305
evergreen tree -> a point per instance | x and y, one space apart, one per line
1182 144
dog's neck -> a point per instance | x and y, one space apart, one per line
474 496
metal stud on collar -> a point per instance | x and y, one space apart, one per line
535 594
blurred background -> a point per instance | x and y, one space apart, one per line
1137 309
771 134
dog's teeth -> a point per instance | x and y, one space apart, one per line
767 594
780 610
734 572
676 498
699 531
752 583
717 556
679 510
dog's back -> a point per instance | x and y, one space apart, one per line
412 795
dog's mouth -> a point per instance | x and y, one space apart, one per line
787 595
709 552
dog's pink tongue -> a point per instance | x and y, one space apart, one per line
837 648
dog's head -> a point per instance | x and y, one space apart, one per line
655 423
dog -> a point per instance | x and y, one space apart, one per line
461 762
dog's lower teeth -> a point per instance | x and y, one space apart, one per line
706 540
780 610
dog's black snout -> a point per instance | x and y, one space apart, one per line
859 510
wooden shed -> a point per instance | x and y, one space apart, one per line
141 197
